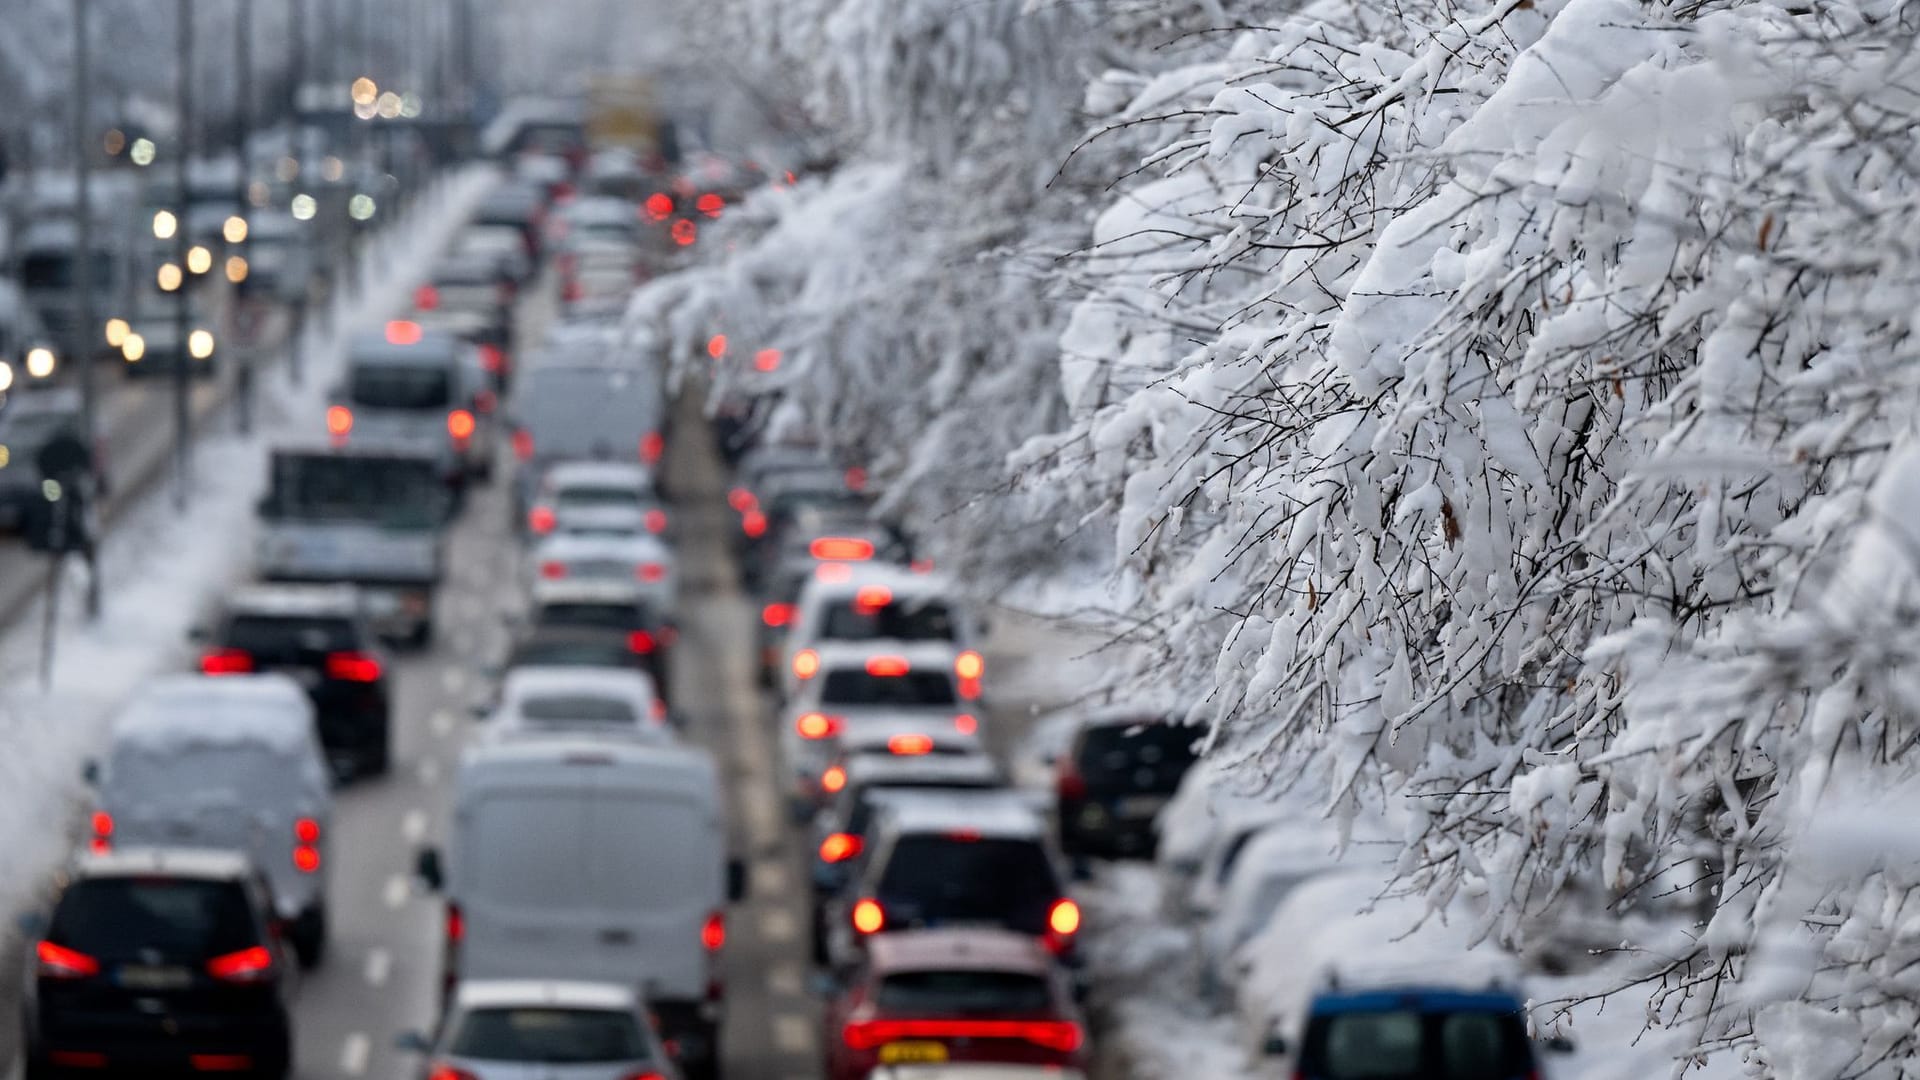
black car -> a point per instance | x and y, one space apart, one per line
318 636
27 423
608 611
159 961
1113 780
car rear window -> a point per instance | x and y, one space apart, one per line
287 639
400 386
579 709
26 432
571 654
327 487
593 616
945 993
1414 1045
851 621
599 496
856 687
180 917
1126 750
549 1036
960 878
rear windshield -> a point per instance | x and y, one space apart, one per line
579 709
933 879
594 616
549 1036
121 917
26 432
400 386
852 621
599 496
1165 750
571 654
585 412
1404 1043
945 993
325 487
281 639
856 687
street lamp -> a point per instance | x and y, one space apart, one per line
168 278
199 259
234 230
164 224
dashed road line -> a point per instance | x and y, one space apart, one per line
429 771
396 892
441 722
453 679
785 979
379 966
778 926
793 1035
770 878
413 826
354 1054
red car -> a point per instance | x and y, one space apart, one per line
936 996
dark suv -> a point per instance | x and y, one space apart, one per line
318 636
1415 1033
1115 777
159 961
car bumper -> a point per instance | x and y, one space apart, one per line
398 612
146 1045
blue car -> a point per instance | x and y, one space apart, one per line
1415 1033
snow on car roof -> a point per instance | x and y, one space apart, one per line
919 655
294 600
174 712
219 863
998 813
959 949
512 993
523 683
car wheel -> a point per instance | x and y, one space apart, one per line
309 937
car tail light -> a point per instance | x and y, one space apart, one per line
969 665
571 290
713 933
834 779
1067 781
1063 1036
306 859
966 724
403 332
102 831
839 847
841 548
553 570
541 520
76 1059
685 232
251 964
856 479
220 1062
767 360
1063 917
353 667
659 206
777 615
871 599
710 204
523 444
485 402
910 745
815 725
442 1071
493 358
456 925
653 446
226 662
806 664
754 524
60 962
460 425
656 521
887 667
426 298
868 916
741 500
641 642
339 420
651 571
644 1076
306 830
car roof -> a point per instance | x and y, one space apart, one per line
958 949
542 681
587 591
566 473
999 813
880 770
509 993
293 600
855 654
174 711
212 863
1417 997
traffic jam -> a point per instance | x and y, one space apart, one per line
501 496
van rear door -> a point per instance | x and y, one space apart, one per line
657 866
524 892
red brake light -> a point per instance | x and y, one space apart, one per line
685 232
448 1072
659 206
523 444
553 570
403 332
710 204
887 667
815 725
306 859
306 830
60 962
641 642
839 847
1063 917
717 346
868 916
493 359
1063 1036
856 479
921 566
910 745
766 360
969 665
651 571
426 298
460 425
713 933
872 598
248 965
966 724
741 500
643 1076
456 924
754 524
1067 781
353 667
652 446
656 521
834 779
843 548
226 662
541 520
102 824
77 1059
777 614
339 420
220 1062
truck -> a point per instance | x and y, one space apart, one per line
364 515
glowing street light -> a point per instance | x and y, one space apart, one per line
234 229
168 277
200 344
199 259
133 348
142 152
360 207
303 208
236 269
117 331
165 225
40 362
365 92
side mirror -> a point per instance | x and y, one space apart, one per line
90 772
736 880
1559 1044
1275 1046
426 866
413 1042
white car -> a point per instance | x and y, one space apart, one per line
623 557
1273 863
877 604
853 686
596 497
615 702
513 1029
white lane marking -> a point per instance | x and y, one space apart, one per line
413 827
793 1035
778 926
784 979
441 722
429 771
396 892
353 1055
763 816
770 878
454 679
379 966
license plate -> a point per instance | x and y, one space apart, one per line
1140 806
140 977
917 1052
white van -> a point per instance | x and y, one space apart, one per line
580 858
227 762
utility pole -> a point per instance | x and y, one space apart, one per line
86 334
182 311
242 125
